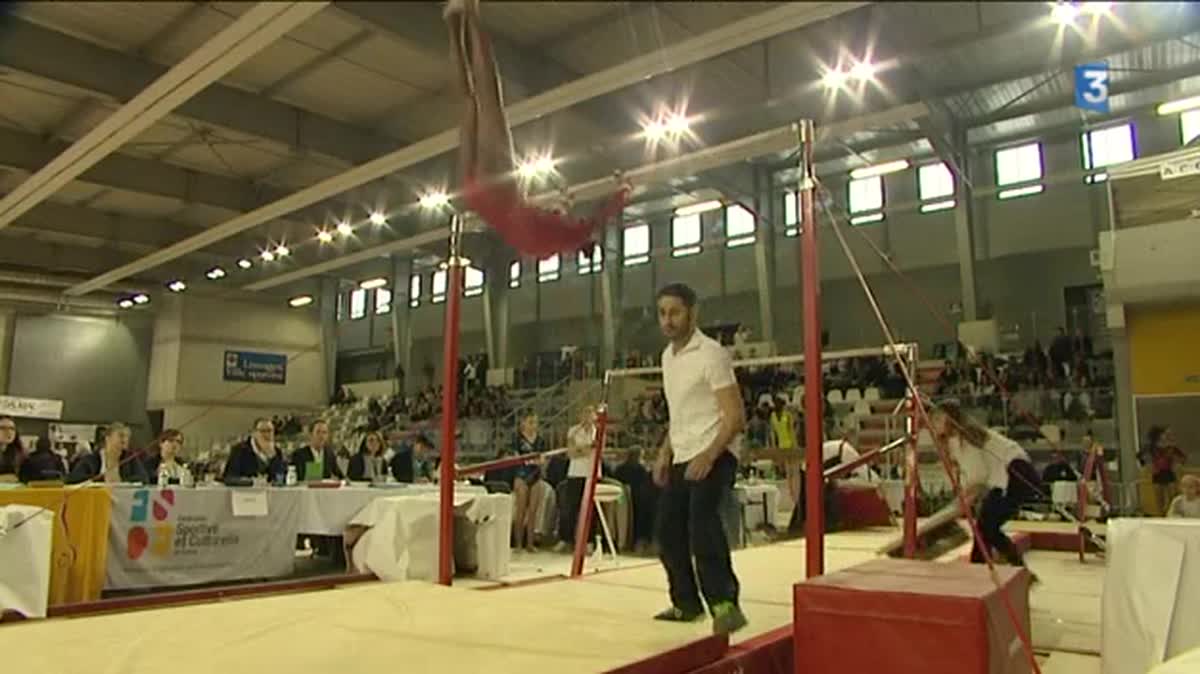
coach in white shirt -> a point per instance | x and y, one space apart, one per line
581 439
696 467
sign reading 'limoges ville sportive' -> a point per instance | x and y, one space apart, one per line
261 368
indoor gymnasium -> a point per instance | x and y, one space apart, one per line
639 337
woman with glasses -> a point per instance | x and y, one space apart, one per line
169 469
257 456
12 452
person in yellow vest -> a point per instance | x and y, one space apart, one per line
783 437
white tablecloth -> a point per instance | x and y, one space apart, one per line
1150 610
25 559
401 541
751 495
325 512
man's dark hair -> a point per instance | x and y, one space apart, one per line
317 422
680 291
422 440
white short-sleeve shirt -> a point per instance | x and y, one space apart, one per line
988 465
691 379
579 437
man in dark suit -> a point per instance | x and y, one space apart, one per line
113 462
317 450
43 463
257 455
412 462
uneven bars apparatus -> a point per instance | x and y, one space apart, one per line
815 476
778 140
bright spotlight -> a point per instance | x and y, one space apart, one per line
344 228
1097 8
300 301
863 71
654 130
324 236
214 274
677 125
282 251
525 169
436 199
141 298
378 218
125 303
268 256
1064 13
834 79
245 263
544 165
177 286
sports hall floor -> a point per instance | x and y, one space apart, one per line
594 624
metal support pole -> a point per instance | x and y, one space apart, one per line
814 398
588 501
454 284
912 478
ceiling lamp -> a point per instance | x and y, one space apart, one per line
300 301
654 130
344 228
268 256
214 274
434 200
1179 105
879 169
1097 8
282 251
177 286
834 79
864 71
125 303
1064 13
324 236
371 284
245 263
141 298
377 218
695 209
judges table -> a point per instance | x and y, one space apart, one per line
77 551
25 535
192 536
1150 609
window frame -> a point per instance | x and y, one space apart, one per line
475 290
872 214
362 309
735 240
593 263
514 279
791 213
1020 186
436 296
1093 172
932 203
547 275
687 248
1189 120
387 304
640 257
414 290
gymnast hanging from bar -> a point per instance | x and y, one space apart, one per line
486 152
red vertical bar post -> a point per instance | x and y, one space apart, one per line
912 478
454 284
583 525
814 397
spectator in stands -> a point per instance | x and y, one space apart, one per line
1186 504
1060 354
257 455
581 439
742 335
113 463
1163 455
318 452
167 468
43 463
644 494
12 452
414 462
369 464
1059 470
783 437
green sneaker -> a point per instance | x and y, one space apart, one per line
728 618
678 615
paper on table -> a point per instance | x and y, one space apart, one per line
249 503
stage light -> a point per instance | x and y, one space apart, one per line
344 228
324 236
300 301
141 298
377 218
268 256
282 251
879 169
702 207
214 274
677 125
863 71
834 79
544 165
371 284
1097 8
125 303
435 199
1064 13
654 130
177 286
1179 105
245 263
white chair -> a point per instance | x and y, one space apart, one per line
853 395
871 394
862 409
834 397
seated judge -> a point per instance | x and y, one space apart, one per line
169 469
113 462
369 464
257 455
43 463
414 462
317 451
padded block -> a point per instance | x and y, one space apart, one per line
861 506
894 615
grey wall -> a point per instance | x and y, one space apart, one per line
1027 250
98 367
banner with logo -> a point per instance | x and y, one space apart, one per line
31 408
262 368
171 537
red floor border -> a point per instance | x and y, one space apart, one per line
681 659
